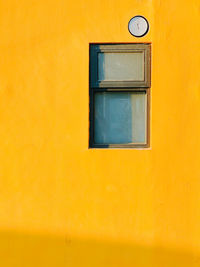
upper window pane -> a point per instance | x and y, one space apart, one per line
121 66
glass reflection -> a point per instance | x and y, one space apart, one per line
120 117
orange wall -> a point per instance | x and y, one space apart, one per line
62 204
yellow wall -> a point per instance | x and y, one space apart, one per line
62 204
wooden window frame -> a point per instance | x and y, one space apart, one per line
119 86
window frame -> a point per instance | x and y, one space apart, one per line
119 48
118 86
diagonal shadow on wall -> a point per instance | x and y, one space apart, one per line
26 250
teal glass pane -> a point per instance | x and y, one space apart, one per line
120 117
121 66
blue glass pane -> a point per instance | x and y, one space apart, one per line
121 66
120 118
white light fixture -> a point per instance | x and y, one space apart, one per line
138 26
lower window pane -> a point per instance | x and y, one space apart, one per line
120 117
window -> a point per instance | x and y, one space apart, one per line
119 95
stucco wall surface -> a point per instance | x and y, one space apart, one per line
62 204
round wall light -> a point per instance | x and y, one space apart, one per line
138 26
